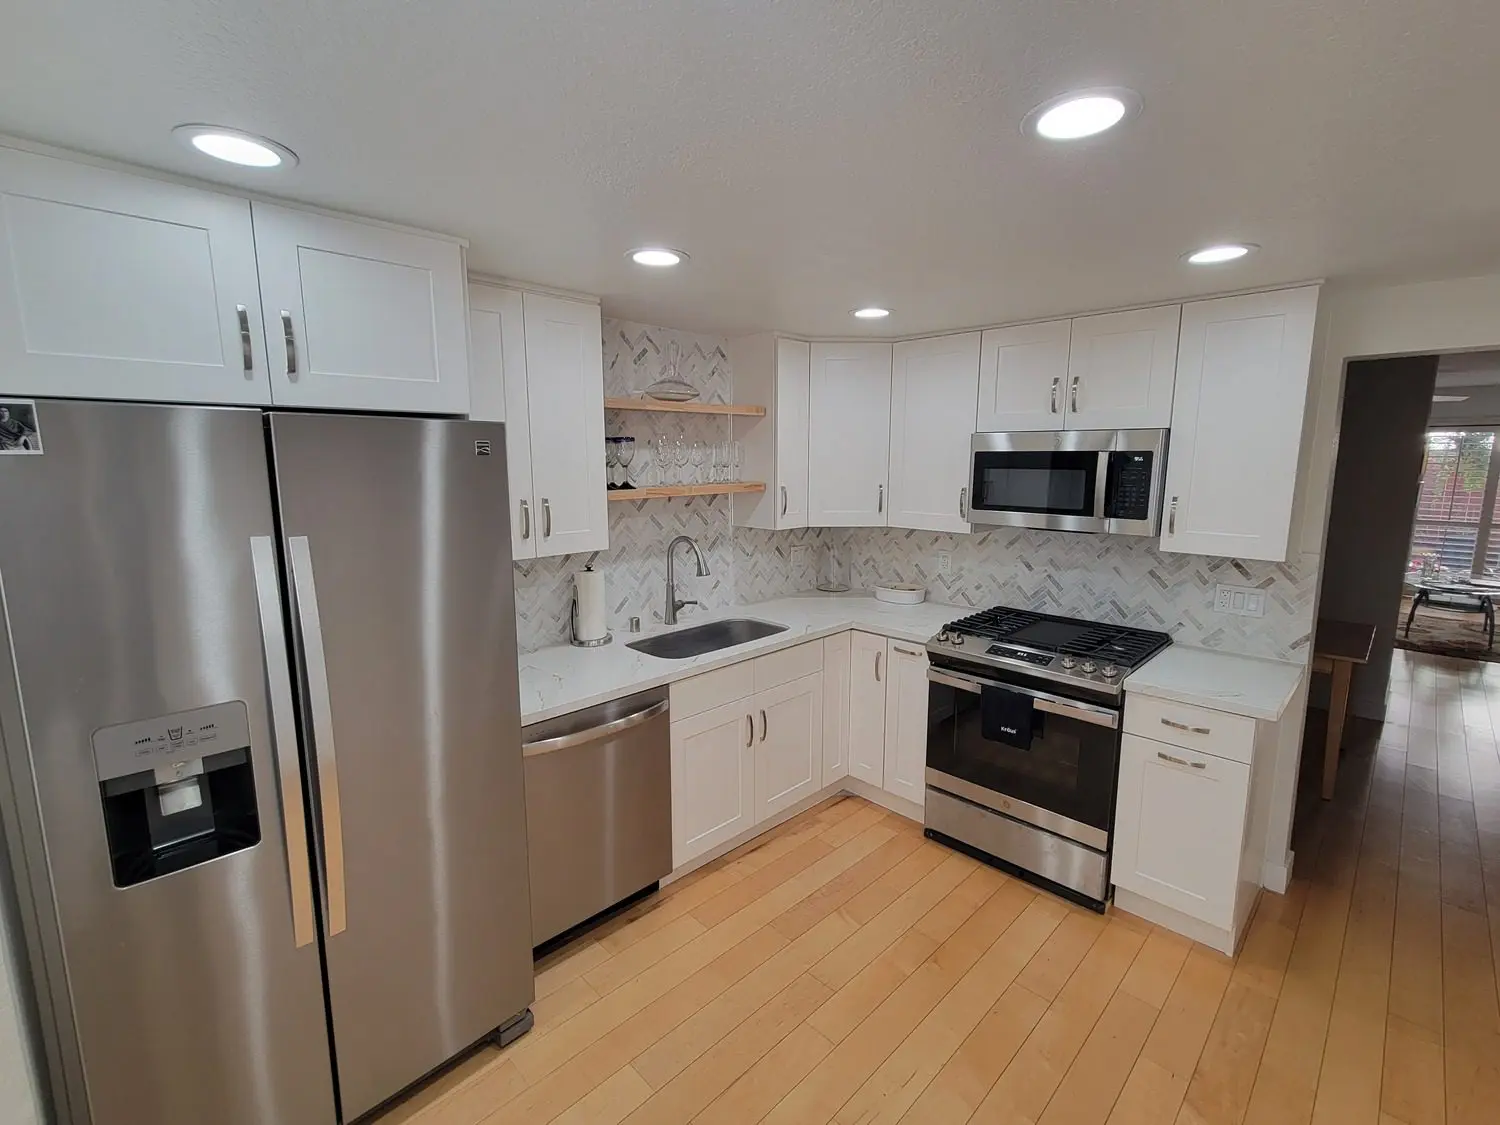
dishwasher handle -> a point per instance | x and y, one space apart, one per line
594 734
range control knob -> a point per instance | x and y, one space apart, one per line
958 639
1109 672
1069 663
1089 667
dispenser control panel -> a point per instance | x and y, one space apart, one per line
170 743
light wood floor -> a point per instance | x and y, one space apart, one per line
844 969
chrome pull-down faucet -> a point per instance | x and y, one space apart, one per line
673 603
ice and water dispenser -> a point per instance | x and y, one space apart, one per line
177 790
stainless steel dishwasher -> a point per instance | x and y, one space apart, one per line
598 808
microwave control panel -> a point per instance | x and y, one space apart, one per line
1127 493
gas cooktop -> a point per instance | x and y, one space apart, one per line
1089 654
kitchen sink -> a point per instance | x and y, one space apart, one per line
708 637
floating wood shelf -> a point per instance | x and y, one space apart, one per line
652 406
667 491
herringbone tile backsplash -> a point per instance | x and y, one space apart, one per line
1106 577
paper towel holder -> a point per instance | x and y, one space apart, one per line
573 626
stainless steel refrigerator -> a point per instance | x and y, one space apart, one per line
262 783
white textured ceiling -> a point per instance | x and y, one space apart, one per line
818 155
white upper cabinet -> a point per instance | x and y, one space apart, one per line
1022 376
116 286
362 317
498 393
565 405
1242 374
934 384
1121 368
772 371
849 422
906 722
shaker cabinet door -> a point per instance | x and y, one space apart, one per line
934 384
906 723
1121 370
113 286
498 393
849 425
362 317
867 676
789 749
1022 375
713 779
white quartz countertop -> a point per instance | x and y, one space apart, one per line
1241 685
562 678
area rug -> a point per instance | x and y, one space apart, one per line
1446 632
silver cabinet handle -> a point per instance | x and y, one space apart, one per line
908 651
783 499
594 734
1056 381
880 504
1185 727
246 356
1182 761
963 503
525 520
878 655
320 703
750 732
1073 395
291 344
764 726
546 518
1172 518
284 737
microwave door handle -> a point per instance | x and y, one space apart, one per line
1101 485
1052 704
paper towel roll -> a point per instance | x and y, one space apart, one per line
589 611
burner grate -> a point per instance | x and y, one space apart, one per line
1110 644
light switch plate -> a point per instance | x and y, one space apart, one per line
945 562
1241 601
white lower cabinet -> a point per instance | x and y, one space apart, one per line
789 752
835 707
906 722
713 779
867 669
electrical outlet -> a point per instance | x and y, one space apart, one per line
1241 601
945 562
800 554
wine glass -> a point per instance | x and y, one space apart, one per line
680 459
716 457
625 454
736 451
698 452
611 451
662 449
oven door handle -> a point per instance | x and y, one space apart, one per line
1052 704
1101 484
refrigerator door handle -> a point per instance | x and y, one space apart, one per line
284 736
315 663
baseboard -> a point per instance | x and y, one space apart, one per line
878 796
1225 941
760 829
1275 876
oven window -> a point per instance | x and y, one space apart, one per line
1055 483
1069 770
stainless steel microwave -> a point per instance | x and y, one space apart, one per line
1070 480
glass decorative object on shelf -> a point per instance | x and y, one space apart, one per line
698 452
611 460
833 569
661 451
736 451
680 459
672 387
625 456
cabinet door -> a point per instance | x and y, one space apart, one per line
1121 369
789 752
836 669
849 423
713 779
1242 373
497 393
565 391
934 384
906 722
867 675
1179 827
793 371
1021 375
114 286
361 317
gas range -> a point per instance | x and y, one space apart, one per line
1066 651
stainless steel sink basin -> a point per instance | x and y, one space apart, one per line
709 637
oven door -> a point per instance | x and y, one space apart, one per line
1065 783
1044 480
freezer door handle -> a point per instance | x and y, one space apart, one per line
284 736
320 704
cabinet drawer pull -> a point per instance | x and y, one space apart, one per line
764 726
1172 518
1182 761
963 503
249 360
878 655
525 520
1184 727
908 651
546 518
750 732
783 499
1056 381
290 337
1073 396
880 503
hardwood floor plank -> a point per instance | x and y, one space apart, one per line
1050 969
608 1103
1219 1093
1089 1089
1155 970
1471 1019
1412 1081
735 898
756 1092
834 894
1177 1038
1150 1096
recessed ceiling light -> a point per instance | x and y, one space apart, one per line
1082 113
235 146
1224 252
658 256
871 312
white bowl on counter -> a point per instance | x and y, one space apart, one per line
901 593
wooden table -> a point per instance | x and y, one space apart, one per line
1337 647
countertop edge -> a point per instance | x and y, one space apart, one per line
1231 704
